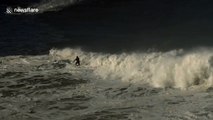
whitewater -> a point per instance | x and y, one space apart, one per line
140 60
173 85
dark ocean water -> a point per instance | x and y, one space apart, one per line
140 60
108 26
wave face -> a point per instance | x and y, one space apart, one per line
176 69
109 26
53 5
116 79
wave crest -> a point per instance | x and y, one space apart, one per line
176 69
53 5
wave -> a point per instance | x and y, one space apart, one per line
42 5
54 5
173 69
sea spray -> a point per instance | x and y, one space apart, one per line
176 69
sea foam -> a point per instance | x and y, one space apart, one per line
176 69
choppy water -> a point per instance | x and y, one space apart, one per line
140 60
51 87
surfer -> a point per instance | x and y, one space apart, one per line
77 61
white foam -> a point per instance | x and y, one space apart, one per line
177 68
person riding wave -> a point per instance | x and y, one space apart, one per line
77 61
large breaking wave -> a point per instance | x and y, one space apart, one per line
175 69
108 86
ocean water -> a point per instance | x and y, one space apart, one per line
140 60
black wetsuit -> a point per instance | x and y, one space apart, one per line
77 61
